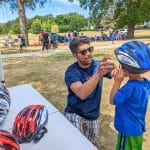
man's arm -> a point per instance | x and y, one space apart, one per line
83 90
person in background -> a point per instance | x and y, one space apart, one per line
84 80
10 41
21 43
112 36
40 38
81 35
46 40
53 42
65 39
74 34
131 100
9 37
69 37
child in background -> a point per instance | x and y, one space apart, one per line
21 43
131 100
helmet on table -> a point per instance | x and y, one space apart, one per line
8 141
4 102
134 56
29 123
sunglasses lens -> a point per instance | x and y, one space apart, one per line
84 52
90 49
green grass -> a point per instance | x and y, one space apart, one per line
46 74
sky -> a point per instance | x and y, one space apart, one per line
53 7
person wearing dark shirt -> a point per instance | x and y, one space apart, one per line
84 80
46 40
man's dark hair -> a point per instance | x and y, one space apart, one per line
76 42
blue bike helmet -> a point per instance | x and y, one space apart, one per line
134 56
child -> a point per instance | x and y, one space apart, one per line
21 43
131 100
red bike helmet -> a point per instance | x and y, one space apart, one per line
8 141
29 123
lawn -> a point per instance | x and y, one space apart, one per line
46 74
34 46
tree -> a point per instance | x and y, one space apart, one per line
20 5
36 25
97 9
125 12
131 12
61 20
14 28
76 21
55 28
70 22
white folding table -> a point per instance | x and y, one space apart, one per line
61 135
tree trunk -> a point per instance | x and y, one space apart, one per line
97 25
130 33
22 20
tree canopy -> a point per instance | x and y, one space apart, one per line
63 23
131 12
125 13
20 6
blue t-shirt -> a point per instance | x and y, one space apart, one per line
131 105
88 108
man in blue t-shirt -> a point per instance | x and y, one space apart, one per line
84 82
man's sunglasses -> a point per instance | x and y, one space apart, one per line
84 52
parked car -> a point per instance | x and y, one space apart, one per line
122 31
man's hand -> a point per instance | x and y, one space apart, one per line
105 66
106 59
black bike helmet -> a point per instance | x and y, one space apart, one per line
134 56
30 123
4 102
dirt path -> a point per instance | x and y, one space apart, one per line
62 48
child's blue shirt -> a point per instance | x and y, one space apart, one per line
131 105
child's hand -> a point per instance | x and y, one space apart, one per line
119 75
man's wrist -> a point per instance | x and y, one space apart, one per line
100 74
